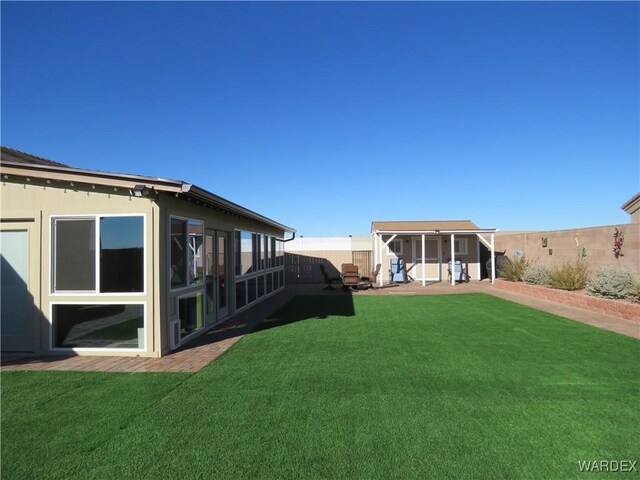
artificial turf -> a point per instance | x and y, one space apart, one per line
456 386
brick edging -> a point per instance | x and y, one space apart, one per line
617 308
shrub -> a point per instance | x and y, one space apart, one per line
536 275
613 282
570 276
513 269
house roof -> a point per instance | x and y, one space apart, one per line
15 162
427 226
16 156
632 204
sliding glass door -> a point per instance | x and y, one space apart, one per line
217 263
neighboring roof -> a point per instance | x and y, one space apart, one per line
14 162
631 205
16 156
427 226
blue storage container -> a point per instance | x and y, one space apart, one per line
398 271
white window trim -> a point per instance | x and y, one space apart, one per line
188 286
95 293
398 254
89 349
463 244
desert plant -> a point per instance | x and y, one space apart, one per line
612 281
513 269
536 274
569 276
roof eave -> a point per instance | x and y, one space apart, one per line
198 193
89 176
420 232
94 177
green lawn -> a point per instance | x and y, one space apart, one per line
457 386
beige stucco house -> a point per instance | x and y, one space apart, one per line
110 264
427 247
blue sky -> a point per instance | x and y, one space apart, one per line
326 116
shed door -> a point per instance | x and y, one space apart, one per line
432 258
16 306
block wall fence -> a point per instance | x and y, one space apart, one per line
568 245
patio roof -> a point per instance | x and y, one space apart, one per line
428 226
384 232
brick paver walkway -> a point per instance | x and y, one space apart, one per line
210 345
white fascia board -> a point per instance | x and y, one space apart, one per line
420 232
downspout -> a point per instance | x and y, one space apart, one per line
288 239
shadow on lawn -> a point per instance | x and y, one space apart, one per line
309 307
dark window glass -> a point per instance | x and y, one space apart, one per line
241 294
252 289
261 286
75 255
266 253
273 258
190 314
281 279
98 326
209 274
195 252
178 253
270 282
237 252
255 241
280 254
121 254
246 255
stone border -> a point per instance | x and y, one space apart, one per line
616 308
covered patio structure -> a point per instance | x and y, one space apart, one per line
430 249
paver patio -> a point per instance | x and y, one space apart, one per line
202 350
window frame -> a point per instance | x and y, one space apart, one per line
188 286
145 323
461 242
391 252
192 294
94 293
264 268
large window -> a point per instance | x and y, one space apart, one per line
121 254
187 249
75 254
98 326
244 248
114 264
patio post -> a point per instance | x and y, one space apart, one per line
379 239
453 260
423 267
493 259
374 239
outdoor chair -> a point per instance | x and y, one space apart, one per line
460 272
398 272
350 276
327 279
370 281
